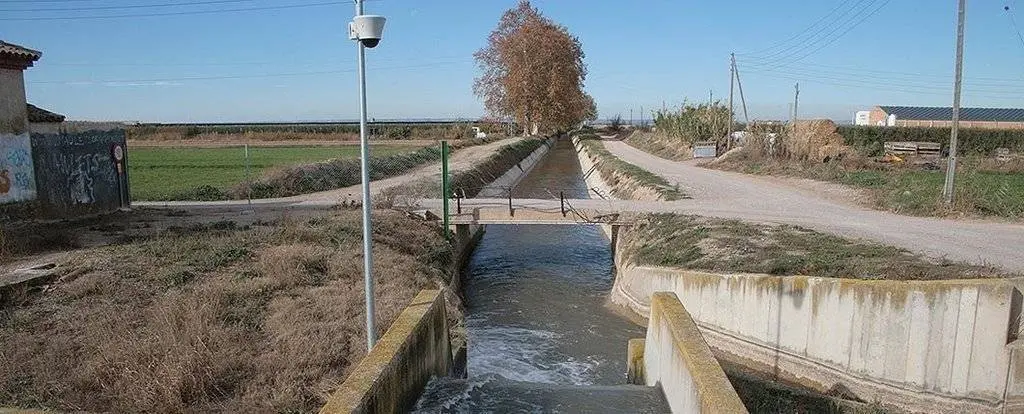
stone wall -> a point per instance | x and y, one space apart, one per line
391 377
920 346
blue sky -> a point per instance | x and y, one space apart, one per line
297 63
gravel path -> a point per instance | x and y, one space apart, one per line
740 196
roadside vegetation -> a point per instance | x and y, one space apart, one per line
677 130
215 317
611 166
711 244
464 183
985 186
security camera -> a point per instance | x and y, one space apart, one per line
367 29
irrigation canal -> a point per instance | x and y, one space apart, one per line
540 338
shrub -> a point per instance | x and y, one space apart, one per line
869 140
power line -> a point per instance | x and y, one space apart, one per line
130 6
915 75
847 83
1014 22
800 33
182 13
839 21
884 82
790 57
253 76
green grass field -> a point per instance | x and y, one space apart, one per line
166 173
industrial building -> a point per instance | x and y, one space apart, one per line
926 116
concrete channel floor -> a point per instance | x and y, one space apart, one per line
763 199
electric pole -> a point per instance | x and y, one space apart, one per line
796 102
630 116
732 81
739 84
947 190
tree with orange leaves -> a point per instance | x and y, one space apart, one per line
533 72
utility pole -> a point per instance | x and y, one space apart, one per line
947 190
630 116
732 81
796 102
739 84
641 116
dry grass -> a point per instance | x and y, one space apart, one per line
216 317
702 243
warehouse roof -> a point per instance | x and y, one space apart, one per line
932 113
17 57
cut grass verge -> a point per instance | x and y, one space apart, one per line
212 317
720 245
610 166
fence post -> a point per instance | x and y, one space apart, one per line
445 193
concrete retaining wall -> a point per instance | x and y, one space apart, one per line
500 186
392 376
921 346
676 358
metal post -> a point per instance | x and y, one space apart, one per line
947 190
561 199
511 211
796 102
445 190
732 82
248 180
364 147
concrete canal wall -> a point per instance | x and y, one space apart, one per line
392 376
676 359
920 346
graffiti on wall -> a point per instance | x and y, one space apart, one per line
17 175
76 173
80 177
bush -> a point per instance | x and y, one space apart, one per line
870 140
693 123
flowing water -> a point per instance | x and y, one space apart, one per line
539 336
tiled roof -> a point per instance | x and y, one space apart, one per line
13 50
930 113
37 114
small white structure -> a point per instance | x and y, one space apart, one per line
478 134
862 118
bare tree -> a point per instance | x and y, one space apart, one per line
533 71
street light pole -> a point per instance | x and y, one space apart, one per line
364 149
948 188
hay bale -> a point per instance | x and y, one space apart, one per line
808 137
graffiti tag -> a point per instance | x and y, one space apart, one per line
80 179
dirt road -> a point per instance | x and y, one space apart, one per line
763 199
